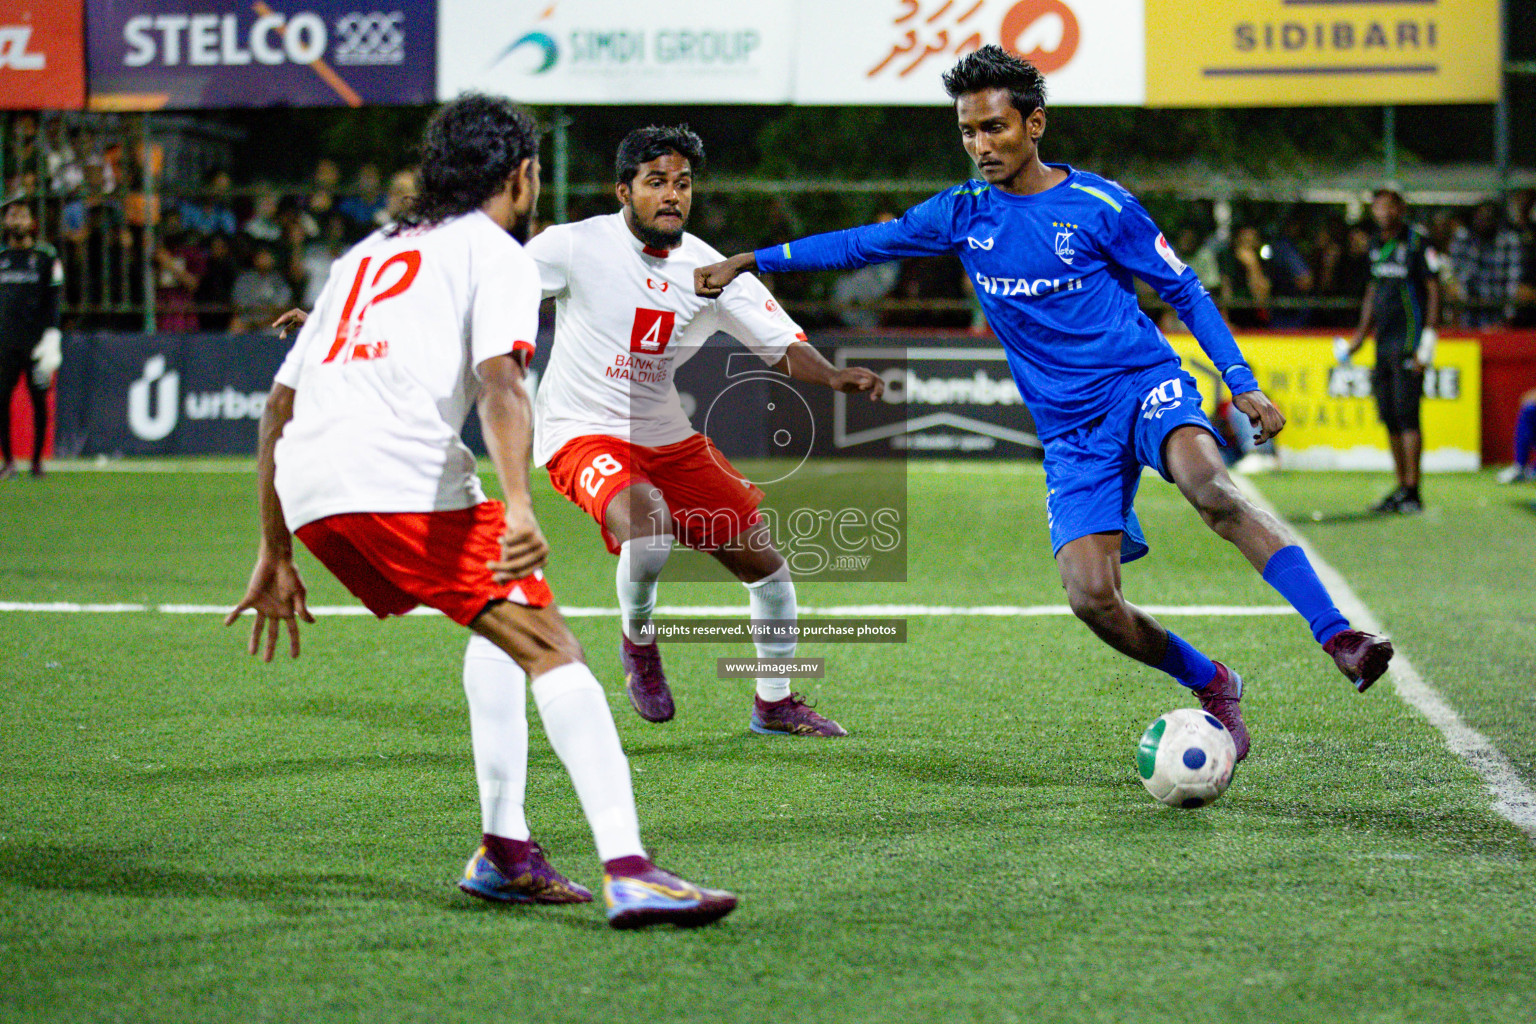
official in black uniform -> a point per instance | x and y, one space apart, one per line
31 279
1401 305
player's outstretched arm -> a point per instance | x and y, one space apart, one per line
506 420
802 362
711 280
276 591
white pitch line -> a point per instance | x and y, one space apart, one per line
1512 797
732 611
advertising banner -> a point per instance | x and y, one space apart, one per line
1331 420
165 394
1283 53
893 51
171 54
42 64
608 51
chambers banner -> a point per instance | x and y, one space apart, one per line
170 54
41 60
1226 53
616 51
1331 420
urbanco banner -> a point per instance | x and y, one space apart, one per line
608 51
886 52
175 54
41 61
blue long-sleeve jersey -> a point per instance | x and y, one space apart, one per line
1053 273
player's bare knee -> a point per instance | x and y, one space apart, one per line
1096 603
1221 505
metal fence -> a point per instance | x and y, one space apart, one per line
116 194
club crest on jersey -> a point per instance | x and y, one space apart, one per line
652 331
1064 248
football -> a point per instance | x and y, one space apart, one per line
1185 758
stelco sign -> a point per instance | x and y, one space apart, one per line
153 54
209 40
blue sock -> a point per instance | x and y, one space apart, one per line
1187 665
1289 572
1525 435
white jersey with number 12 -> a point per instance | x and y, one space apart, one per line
386 369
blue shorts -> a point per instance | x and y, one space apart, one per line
1091 473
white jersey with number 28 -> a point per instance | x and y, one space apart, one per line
626 317
386 369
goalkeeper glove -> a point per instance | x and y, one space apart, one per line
47 356
1425 353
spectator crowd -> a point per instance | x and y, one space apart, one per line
1311 268
220 256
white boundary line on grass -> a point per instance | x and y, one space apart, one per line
1512 797
733 611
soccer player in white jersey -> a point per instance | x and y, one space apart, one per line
361 458
612 431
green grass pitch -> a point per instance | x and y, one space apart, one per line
189 835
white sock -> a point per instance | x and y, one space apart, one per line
498 729
580 728
773 597
640 563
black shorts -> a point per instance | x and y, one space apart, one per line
1399 389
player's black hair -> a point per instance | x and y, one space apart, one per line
470 148
993 67
645 144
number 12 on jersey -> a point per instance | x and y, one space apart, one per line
348 328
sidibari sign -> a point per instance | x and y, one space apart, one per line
1293 53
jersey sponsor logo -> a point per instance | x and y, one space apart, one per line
13 49
652 330
663 286
1169 256
1063 247
985 243
1032 287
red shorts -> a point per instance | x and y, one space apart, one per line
710 501
393 561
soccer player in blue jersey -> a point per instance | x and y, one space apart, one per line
1052 251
